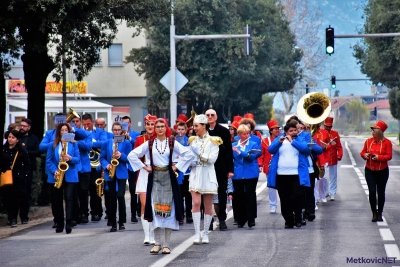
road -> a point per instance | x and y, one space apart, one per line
342 232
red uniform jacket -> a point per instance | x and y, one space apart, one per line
322 137
383 151
335 150
141 140
266 157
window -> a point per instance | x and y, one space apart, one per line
115 55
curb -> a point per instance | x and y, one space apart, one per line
34 213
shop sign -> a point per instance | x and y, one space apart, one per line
18 86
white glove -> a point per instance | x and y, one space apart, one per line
326 165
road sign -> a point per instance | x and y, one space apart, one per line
180 80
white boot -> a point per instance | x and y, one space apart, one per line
196 223
207 221
151 234
146 229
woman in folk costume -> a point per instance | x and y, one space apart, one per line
70 181
202 179
117 183
141 185
163 207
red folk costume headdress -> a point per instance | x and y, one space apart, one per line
272 124
149 117
328 121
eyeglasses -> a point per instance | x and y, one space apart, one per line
231 129
117 130
160 127
24 126
208 115
75 121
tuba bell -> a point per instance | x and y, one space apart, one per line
189 122
71 114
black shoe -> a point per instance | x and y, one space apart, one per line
13 223
251 224
189 220
84 219
374 216
121 226
109 223
379 216
298 224
240 225
55 225
288 225
311 217
134 219
106 218
96 218
180 222
68 228
113 228
303 222
60 228
222 226
211 227
73 223
25 221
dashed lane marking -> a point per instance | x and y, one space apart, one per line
386 234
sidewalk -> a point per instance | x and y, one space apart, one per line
37 215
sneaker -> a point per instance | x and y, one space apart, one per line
272 210
332 199
13 223
324 200
316 207
134 219
25 221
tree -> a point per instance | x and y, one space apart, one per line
394 102
47 30
336 93
264 111
357 112
218 71
378 57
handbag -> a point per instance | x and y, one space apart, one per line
6 178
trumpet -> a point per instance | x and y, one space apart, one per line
114 162
100 184
62 167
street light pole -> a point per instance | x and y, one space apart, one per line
173 98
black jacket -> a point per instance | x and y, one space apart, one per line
32 147
224 163
21 169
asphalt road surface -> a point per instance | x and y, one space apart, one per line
341 235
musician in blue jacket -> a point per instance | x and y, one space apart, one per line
71 157
289 172
98 137
245 176
120 177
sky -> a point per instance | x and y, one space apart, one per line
346 18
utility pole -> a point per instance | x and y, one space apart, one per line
64 85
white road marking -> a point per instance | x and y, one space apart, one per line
363 182
346 166
165 260
365 186
392 250
384 223
366 192
386 234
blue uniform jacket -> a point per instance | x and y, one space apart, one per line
47 141
109 135
53 158
121 171
301 144
253 138
84 141
100 136
245 164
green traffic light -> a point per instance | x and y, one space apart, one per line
333 86
329 49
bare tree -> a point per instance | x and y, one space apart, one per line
305 21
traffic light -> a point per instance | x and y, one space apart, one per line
333 82
330 40
248 42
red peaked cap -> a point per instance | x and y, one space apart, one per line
181 118
328 121
380 125
234 124
149 117
237 118
249 116
272 124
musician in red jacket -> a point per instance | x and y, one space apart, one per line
377 151
335 154
264 160
321 185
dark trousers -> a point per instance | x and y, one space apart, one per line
107 200
132 190
377 181
291 195
186 196
114 196
58 195
246 200
26 198
12 203
96 208
309 199
222 195
83 193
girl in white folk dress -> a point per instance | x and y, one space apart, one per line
163 199
202 179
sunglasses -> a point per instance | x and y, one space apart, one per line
208 115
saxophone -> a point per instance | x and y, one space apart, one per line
100 184
62 167
114 162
